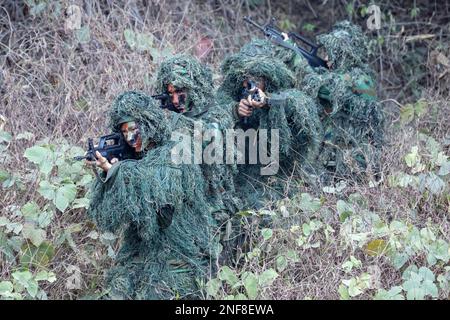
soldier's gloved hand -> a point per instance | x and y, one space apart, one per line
103 163
245 108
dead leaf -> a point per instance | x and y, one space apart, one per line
419 37
376 247
203 47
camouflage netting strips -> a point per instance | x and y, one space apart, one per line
187 73
351 116
143 197
291 111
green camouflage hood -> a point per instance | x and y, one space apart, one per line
346 45
294 61
186 72
139 107
255 59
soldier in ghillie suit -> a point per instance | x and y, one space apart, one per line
169 232
190 87
289 110
346 92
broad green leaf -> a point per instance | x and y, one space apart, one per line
6 287
14 227
292 255
37 154
407 113
45 218
130 37
31 211
413 157
281 263
25 279
444 169
25 136
228 275
65 195
267 277
15 242
35 235
415 293
395 293
353 289
4 175
4 221
47 190
308 203
344 209
22 277
81 104
426 274
343 292
306 229
143 42
399 259
251 285
37 256
80 203
435 184
350 264
45 276
420 107
5 136
440 250
267 233
83 34
155 53
213 286
87 178
409 271
347 266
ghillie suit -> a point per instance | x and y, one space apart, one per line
169 239
186 72
351 116
293 113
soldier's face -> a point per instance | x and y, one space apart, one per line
178 97
131 134
260 83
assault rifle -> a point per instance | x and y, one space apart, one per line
110 146
114 145
250 90
276 35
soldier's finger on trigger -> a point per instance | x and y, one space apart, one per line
244 109
245 102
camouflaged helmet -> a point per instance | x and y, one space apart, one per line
255 59
346 45
139 107
186 72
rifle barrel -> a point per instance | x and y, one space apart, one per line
249 20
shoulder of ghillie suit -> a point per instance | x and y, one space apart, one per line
186 72
255 59
142 108
346 45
